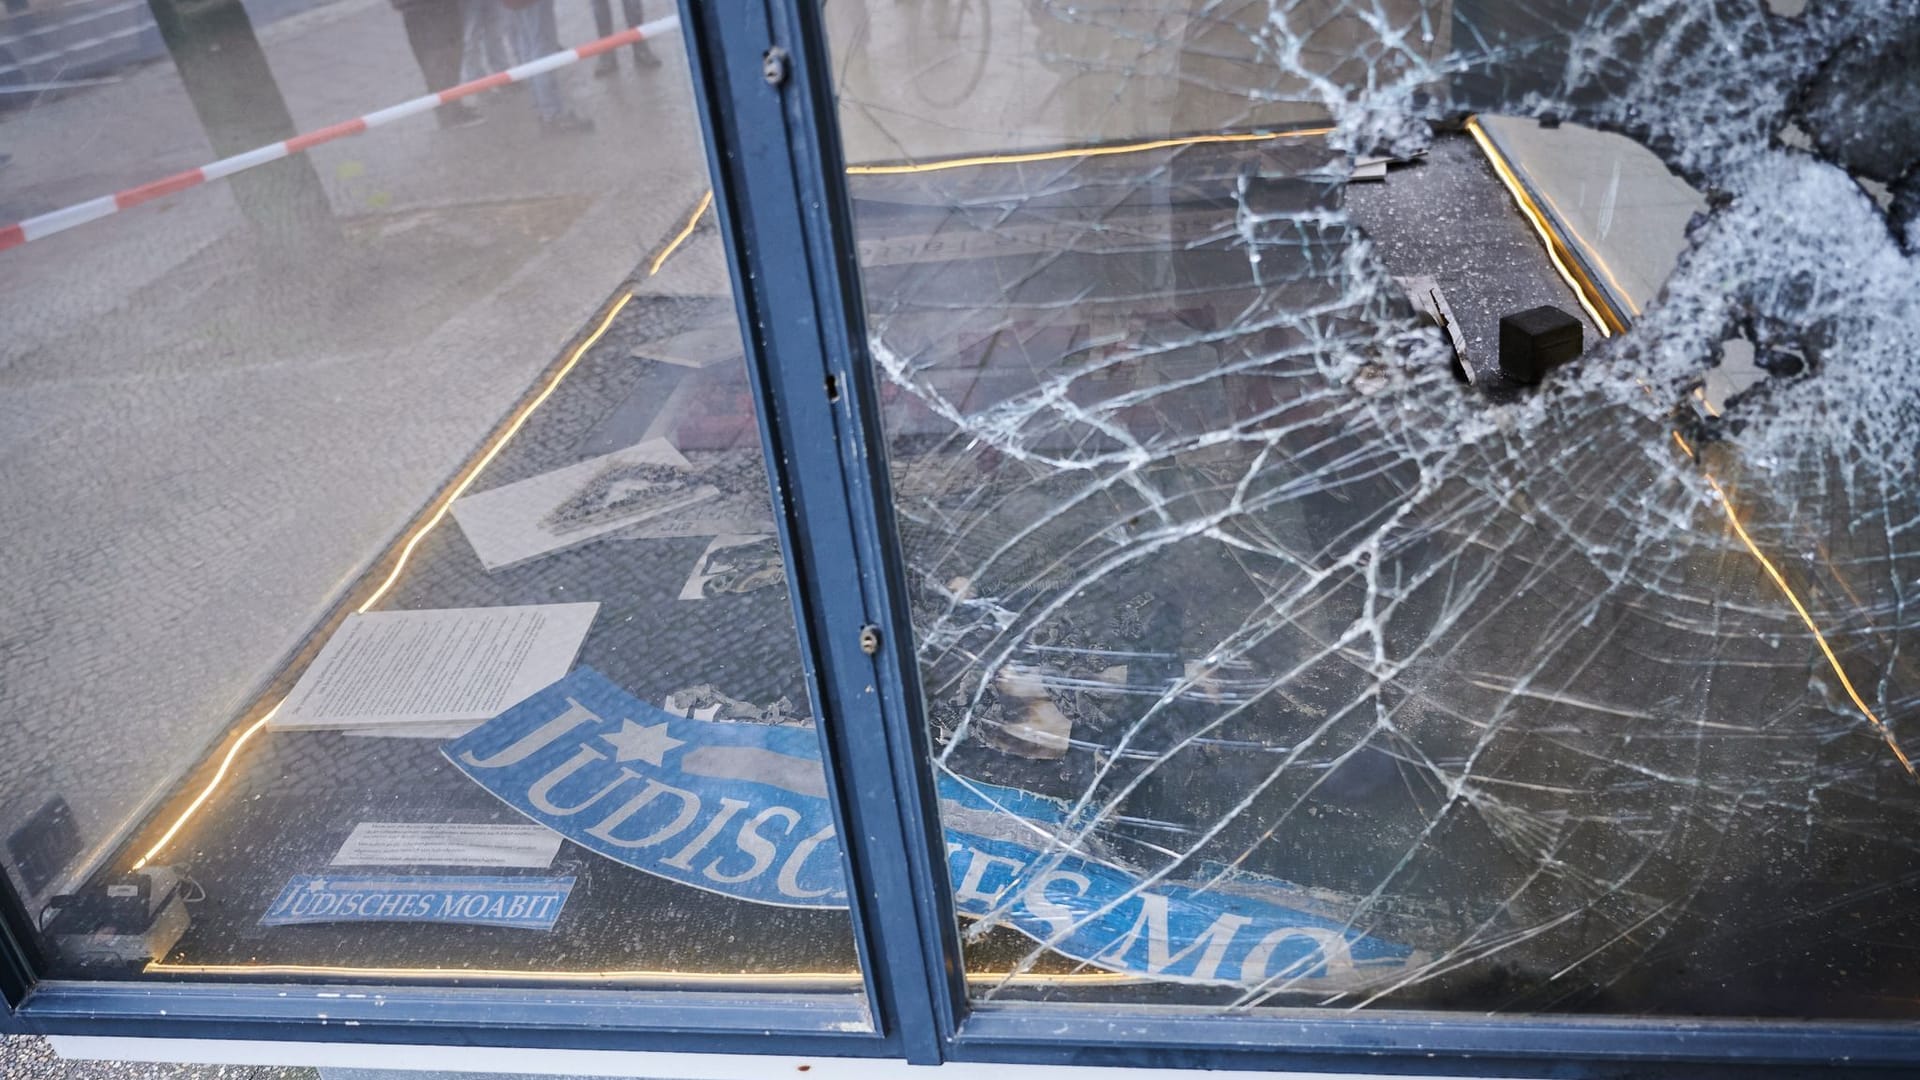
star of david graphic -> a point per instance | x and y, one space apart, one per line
638 742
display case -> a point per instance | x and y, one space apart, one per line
1350 537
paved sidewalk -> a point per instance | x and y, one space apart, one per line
203 435
24 1057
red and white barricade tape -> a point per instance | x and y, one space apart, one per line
44 225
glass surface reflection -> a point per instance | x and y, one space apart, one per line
1400 500
392 583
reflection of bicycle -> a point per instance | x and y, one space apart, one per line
947 42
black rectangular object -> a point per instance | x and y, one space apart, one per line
1537 340
43 847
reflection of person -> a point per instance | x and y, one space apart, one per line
486 41
532 34
435 33
603 26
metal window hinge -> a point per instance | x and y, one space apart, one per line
773 65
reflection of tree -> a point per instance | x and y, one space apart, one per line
227 77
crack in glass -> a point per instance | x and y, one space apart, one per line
1593 695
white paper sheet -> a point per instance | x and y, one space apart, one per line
440 732
729 513
398 843
400 668
581 502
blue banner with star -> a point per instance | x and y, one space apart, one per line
741 809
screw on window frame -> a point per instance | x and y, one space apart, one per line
773 65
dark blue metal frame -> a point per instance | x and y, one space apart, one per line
19 955
416 1015
811 181
761 69
769 170
766 100
1432 1043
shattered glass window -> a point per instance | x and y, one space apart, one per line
1407 504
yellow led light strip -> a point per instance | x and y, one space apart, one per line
439 514
1004 159
1592 298
770 979
1583 288
1084 152
499 443
206 793
1800 609
1594 258
673 245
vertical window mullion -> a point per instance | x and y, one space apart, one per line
762 77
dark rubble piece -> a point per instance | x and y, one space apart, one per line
1535 341
1905 211
1859 108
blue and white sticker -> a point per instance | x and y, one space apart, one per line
524 903
741 809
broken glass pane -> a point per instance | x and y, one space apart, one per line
1405 504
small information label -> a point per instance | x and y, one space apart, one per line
396 843
525 903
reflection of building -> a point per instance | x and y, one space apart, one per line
50 43
966 76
